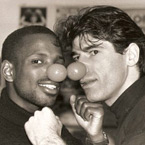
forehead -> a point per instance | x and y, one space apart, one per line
33 39
85 42
38 42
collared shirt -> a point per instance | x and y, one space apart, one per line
12 120
130 113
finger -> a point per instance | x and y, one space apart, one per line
83 109
58 120
47 110
26 125
31 119
78 104
60 125
94 113
72 102
36 113
48 113
99 113
57 117
29 123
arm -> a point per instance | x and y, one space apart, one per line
90 117
44 128
53 141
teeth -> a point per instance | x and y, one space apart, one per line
48 86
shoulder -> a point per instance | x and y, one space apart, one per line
133 126
12 134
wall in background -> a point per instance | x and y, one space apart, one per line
10 11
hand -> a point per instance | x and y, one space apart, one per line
89 116
44 128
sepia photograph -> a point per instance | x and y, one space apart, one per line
72 72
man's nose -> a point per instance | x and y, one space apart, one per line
84 60
76 71
57 72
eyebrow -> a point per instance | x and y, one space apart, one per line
43 55
37 54
87 48
93 45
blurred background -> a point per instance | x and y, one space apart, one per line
20 13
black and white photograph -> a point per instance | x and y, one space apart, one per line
72 72
32 16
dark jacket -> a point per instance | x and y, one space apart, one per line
12 120
130 113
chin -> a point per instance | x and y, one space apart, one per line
92 98
49 104
45 101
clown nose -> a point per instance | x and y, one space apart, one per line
57 72
76 71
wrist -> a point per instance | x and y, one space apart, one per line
96 136
53 140
98 140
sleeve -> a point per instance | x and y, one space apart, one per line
70 139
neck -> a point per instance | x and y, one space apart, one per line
20 101
132 76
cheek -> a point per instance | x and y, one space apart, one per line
115 74
110 69
119 65
114 63
27 78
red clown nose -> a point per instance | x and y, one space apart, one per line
57 72
76 71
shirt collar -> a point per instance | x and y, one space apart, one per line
128 99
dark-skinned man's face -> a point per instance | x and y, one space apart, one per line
31 84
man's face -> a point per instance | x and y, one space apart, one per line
106 69
32 86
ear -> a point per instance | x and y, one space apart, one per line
7 70
132 54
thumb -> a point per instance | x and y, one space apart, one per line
72 102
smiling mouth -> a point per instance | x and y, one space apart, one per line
49 89
87 84
48 86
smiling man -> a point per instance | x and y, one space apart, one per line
27 54
112 47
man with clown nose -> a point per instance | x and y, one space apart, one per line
33 68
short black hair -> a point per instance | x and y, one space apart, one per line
104 23
10 45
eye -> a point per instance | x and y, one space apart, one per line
93 52
75 57
36 61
